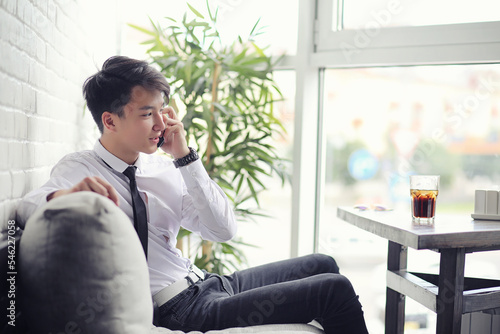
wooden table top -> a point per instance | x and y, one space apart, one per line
448 231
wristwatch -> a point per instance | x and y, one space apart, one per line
184 161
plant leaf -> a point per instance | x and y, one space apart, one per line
141 29
197 13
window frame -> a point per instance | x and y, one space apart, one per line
395 46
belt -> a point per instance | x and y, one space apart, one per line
169 292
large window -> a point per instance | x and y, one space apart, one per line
405 87
384 124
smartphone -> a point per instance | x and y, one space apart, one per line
160 142
162 139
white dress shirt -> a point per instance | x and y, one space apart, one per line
174 197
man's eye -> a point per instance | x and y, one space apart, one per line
148 114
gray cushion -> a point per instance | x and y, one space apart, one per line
82 269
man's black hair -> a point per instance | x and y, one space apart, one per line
110 89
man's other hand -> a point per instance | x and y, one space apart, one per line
90 183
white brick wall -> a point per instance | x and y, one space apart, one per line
47 49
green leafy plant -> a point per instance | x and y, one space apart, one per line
225 96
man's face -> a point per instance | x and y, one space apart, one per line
142 125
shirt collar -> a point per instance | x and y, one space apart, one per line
113 161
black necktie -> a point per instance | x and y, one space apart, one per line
140 216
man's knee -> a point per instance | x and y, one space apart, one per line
340 287
314 264
343 283
325 263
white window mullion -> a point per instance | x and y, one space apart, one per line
305 139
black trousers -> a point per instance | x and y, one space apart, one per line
298 290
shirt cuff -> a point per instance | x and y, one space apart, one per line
194 174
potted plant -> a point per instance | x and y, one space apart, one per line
225 96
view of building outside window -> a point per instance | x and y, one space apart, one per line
384 124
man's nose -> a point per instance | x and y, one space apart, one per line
159 124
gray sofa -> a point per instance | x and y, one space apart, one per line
81 270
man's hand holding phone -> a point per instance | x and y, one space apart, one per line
173 140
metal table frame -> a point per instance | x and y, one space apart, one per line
449 294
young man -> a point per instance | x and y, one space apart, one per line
127 99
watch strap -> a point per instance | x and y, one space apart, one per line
186 160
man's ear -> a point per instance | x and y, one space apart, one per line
108 121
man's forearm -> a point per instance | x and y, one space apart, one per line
31 202
57 193
209 211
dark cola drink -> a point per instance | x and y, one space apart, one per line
423 191
424 203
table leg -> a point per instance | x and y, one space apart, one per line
397 259
450 291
